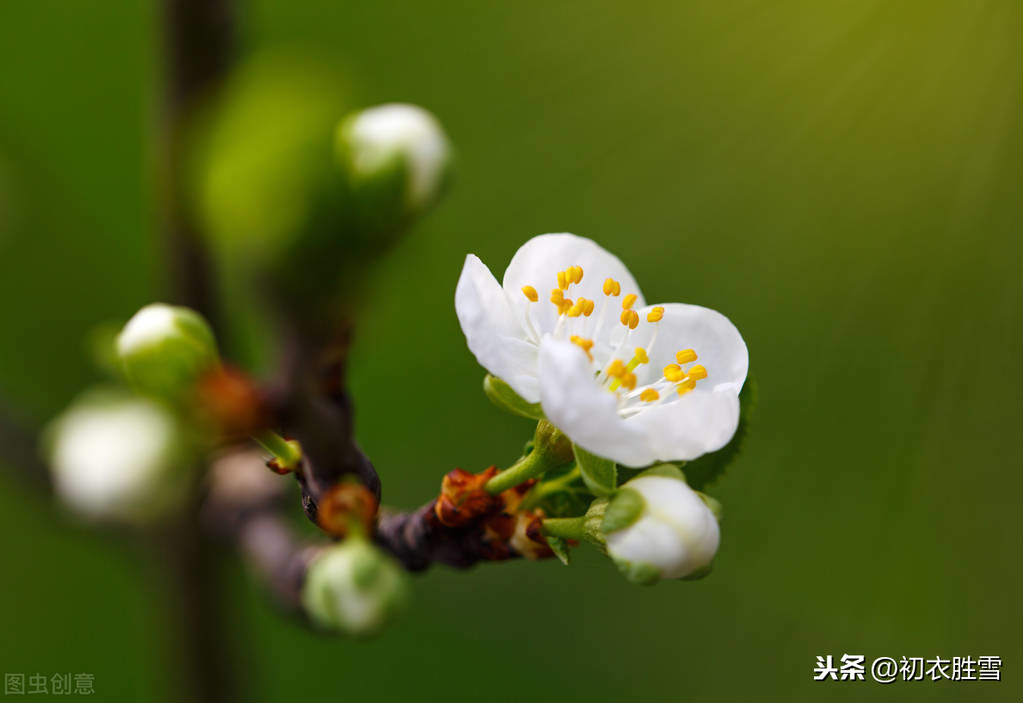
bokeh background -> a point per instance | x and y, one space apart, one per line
842 179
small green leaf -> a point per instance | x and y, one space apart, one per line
702 472
560 548
665 470
502 395
714 504
624 509
639 573
600 475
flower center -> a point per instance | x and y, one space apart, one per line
611 371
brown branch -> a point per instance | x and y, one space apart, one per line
198 47
312 404
19 445
418 540
244 505
199 42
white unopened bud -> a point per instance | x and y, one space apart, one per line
354 587
117 457
396 141
657 527
165 348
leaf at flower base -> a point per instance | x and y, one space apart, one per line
623 510
600 475
560 548
638 573
702 472
664 470
566 503
502 395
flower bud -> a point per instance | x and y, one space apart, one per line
164 349
657 527
396 157
354 587
118 457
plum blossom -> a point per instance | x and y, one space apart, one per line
569 328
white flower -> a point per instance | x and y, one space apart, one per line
570 329
116 457
353 587
672 533
376 136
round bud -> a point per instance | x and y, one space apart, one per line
657 527
396 157
164 349
118 457
354 587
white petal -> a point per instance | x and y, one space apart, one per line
537 263
574 402
649 541
686 428
715 339
491 330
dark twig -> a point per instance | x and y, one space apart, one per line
418 540
198 44
313 405
244 505
19 444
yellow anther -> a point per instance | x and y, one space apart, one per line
673 373
686 356
530 292
629 300
628 380
686 386
612 287
630 318
565 306
588 310
575 273
586 344
581 341
649 395
577 309
557 296
563 280
655 315
696 373
616 368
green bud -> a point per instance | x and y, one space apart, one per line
396 158
503 396
164 349
354 587
119 457
657 527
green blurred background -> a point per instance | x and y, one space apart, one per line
843 179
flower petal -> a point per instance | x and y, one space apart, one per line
695 424
574 402
649 541
715 339
537 263
493 333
